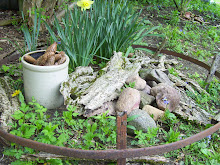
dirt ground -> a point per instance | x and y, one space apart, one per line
11 32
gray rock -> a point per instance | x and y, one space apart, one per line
142 122
140 83
146 99
147 89
128 100
153 111
152 83
166 96
155 75
108 106
8 104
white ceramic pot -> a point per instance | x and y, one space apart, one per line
43 82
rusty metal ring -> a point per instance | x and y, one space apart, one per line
116 154
188 58
108 154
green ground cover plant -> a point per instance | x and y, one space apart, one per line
69 129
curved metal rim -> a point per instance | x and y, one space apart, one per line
117 154
188 58
108 154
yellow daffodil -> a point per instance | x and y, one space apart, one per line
16 93
85 4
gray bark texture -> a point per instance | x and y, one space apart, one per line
49 8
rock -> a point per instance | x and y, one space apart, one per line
108 106
152 83
153 111
146 99
166 96
128 100
155 75
146 89
142 122
139 82
8 104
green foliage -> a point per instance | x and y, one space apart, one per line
200 152
11 70
173 72
109 27
169 118
206 100
31 35
69 129
171 136
182 5
90 135
131 85
31 122
120 28
146 139
107 128
77 36
174 20
203 7
15 72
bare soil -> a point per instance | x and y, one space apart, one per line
12 33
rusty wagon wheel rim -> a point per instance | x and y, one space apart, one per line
115 154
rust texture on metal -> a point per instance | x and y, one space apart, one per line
121 134
108 154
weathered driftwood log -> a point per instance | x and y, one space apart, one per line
92 90
190 111
8 104
214 66
147 159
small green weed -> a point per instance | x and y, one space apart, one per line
131 85
173 72
174 20
15 73
171 136
31 122
146 139
169 118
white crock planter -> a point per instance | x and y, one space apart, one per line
43 82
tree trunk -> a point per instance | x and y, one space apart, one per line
47 7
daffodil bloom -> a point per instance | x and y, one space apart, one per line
85 4
16 93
